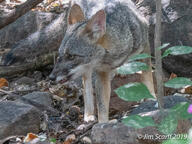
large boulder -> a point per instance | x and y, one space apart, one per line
18 119
168 101
176 30
24 26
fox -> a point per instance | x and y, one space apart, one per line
101 36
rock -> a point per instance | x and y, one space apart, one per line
169 101
113 134
37 75
40 100
86 140
110 133
18 119
31 22
24 84
176 30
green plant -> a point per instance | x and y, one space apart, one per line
138 91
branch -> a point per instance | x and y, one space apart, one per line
158 59
18 12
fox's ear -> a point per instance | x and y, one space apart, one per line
96 26
75 15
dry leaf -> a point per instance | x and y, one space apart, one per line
30 137
69 139
3 82
173 75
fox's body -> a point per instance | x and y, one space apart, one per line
101 36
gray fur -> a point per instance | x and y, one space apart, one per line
124 25
80 55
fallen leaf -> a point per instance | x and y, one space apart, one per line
69 139
30 137
3 82
173 75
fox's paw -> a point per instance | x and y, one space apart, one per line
89 118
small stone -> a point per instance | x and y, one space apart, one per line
86 140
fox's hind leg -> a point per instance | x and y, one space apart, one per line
88 97
103 91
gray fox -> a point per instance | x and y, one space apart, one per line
101 36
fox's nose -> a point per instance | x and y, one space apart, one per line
52 77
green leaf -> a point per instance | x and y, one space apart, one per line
177 50
176 141
131 68
180 110
137 121
163 46
133 92
53 140
139 57
178 82
169 124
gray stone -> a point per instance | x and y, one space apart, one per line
24 26
121 134
169 101
18 119
40 100
24 84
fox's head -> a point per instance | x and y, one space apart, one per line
79 50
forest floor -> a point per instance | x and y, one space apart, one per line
62 120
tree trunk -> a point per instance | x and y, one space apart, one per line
17 12
158 59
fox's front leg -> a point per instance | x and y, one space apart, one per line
103 91
88 97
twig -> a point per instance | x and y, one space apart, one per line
6 92
10 137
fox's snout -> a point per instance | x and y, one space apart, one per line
60 73
52 77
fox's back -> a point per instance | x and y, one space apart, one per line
126 29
